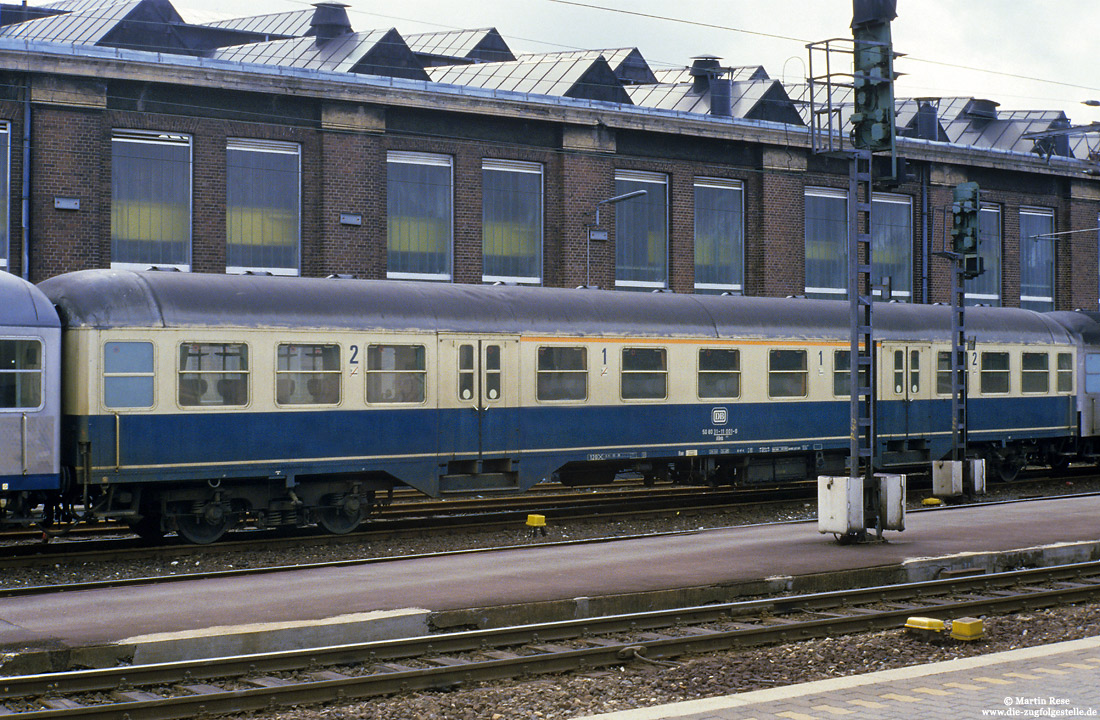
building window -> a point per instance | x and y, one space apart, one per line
307 375
892 244
511 221
1035 373
787 373
20 374
641 231
719 374
213 374
1036 259
995 373
420 219
645 374
262 206
986 288
826 233
128 374
719 236
562 373
5 193
150 200
396 374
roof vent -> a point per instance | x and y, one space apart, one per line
710 76
330 21
978 109
928 126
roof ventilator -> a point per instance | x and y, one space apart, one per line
709 75
979 109
330 21
927 121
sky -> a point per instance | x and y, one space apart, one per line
1024 54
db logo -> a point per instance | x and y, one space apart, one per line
719 416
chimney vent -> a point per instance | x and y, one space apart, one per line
330 21
710 76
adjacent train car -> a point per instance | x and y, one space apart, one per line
30 400
195 401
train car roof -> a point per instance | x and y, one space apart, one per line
1084 324
24 305
123 298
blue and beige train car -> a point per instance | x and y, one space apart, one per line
194 401
30 399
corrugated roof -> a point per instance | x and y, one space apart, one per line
295 23
570 77
86 27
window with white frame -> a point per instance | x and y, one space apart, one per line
826 232
986 288
892 244
5 193
150 200
1037 259
419 216
641 231
719 235
263 206
511 221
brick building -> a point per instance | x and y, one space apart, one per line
292 143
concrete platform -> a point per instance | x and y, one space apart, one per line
538 582
1060 680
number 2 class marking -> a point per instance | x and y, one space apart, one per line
354 360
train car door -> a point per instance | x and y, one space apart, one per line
905 377
479 379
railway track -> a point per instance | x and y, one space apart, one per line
333 674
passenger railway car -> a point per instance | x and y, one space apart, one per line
30 398
192 402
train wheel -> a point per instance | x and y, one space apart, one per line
343 515
1008 468
206 524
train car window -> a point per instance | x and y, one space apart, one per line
943 372
466 372
1092 373
1035 373
644 374
307 374
128 374
787 373
842 373
20 374
914 371
213 374
899 372
719 373
1065 372
492 372
562 374
995 373
396 373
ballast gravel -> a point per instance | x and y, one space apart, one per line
638 685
